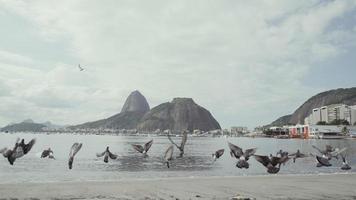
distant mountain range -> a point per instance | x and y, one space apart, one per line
180 114
29 125
343 95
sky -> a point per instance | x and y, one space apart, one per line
247 62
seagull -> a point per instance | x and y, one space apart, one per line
218 154
241 156
168 155
19 150
143 149
80 68
298 154
73 151
106 155
182 144
47 153
270 163
345 165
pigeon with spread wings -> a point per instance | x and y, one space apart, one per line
270 163
107 154
143 149
182 144
73 151
241 156
218 154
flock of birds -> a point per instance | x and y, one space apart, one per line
272 163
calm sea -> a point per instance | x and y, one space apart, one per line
130 164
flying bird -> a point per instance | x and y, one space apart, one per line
345 164
47 153
168 155
19 150
284 155
330 152
107 154
73 151
218 154
297 154
270 163
80 68
241 156
182 144
143 149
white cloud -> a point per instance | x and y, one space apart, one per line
230 56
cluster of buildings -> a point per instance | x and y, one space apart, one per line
330 113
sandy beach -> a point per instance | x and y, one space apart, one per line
336 186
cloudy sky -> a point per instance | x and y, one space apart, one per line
248 62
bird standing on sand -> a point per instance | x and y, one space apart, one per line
19 150
168 155
47 153
106 155
345 165
80 68
218 154
182 144
73 151
241 156
270 163
143 149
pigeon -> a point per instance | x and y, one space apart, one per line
298 154
330 152
182 144
168 155
218 154
345 165
73 151
283 155
323 161
47 153
20 149
106 155
241 156
270 163
80 68
143 149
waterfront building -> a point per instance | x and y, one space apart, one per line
330 113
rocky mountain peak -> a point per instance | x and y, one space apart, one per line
136 102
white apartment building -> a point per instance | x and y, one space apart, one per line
332 112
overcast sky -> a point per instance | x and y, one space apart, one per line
248 62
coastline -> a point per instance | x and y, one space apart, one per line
324 186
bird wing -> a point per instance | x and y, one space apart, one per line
277 160
27 147
337 152
170 139
249 152
5 152
75 148
264 160
323 161
219 153
168 154
100 154
112 156
315 147
237 151
148 145
184 139
138 148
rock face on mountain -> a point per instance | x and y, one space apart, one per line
133 110
345 96
27 125
136 102
180 114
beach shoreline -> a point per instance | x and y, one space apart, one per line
325 186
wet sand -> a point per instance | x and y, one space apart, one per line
336 186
